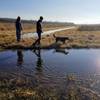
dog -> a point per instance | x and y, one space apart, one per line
62 39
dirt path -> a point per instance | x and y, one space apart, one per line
29 35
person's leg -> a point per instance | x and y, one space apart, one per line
18 36
35 42
39 38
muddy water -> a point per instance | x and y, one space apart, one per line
52 67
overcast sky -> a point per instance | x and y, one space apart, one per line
77 11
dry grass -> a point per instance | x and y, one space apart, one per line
8 38
7 27
78 39
81 39
89 27
10 27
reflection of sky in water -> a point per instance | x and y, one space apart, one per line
97 63
76 61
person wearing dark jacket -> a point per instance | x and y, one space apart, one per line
39 31
18 28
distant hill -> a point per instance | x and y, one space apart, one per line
11 20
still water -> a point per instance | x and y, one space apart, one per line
51 67
60 62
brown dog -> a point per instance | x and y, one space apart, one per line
62 39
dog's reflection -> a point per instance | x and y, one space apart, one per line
63 51
39 62
19 58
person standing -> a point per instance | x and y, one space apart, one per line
18 28
39 31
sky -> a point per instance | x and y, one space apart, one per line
77 11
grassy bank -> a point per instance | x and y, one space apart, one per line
78 38
81 39
7 32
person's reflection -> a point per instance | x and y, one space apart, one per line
39 62
19 58
19 71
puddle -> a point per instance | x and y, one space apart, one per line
60 61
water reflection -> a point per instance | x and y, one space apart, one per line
19 58
39 62
63 51
52 69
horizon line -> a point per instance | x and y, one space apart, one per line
77 23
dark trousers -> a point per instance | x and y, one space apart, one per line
18 35
39 39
